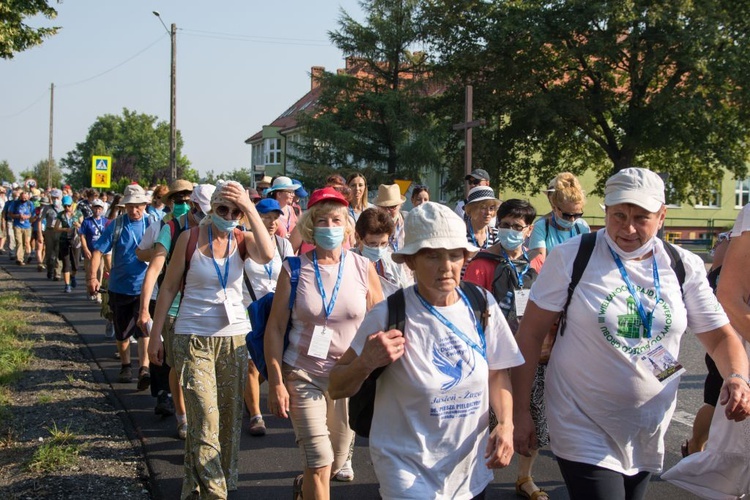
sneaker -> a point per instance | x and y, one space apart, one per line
144 379
28 259
126 375
98 300
164 405
73 281
345 473
109 330
40 267
182 430
257 427
68 289
56 278
20 263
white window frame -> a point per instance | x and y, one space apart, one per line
272 151
741 192
714 200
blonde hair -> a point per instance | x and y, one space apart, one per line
565 188
306 223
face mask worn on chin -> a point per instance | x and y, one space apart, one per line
562 223
635 254
510 238
328 238
180 209
224 225
57 204
374 254
198 215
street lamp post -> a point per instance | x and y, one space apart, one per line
173 101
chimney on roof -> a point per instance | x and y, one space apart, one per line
315 73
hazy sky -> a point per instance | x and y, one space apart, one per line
240 64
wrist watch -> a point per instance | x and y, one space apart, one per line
741 377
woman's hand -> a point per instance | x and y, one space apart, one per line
499 447
524 433
383 348
278 401
155 349
735 396
239 197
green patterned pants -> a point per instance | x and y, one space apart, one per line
213 372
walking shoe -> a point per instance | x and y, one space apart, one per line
73 281
164 405
40 267
182 430
28 259
56 278
144 378
49 274
109 330
20 263
257 427
126 375
68 289
345 473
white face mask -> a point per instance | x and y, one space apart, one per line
635 254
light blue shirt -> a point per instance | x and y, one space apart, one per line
546 235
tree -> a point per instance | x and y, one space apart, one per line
605 85
6 174
138 145
42 172
242 175
371 113
15 34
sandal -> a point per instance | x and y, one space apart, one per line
538 494
297 495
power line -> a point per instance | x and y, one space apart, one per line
256 39
42 95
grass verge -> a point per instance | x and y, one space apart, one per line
57 452
15 350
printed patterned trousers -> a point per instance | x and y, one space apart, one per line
213 372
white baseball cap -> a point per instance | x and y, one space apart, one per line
638 186
202 196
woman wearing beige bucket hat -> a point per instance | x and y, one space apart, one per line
390 198
422 441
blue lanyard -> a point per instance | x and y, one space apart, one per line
481 350
474 238
269 269
222 279
379 268
396 235
646 318
328 307
351 212
519 276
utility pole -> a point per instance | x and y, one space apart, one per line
173 108
51 113
468 124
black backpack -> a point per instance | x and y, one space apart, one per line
505 283
362 404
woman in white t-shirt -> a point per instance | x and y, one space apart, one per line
430 428
612 380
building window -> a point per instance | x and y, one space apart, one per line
741 193
273 151
710 200
671 195
257 154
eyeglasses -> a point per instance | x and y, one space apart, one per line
223 210
568 216
489 208
514 227
67 206
392 208
474 182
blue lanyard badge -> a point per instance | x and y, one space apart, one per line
395 237
269 269
646 318
519 276
481 350
328 307
222 279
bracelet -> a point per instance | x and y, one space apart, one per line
741 377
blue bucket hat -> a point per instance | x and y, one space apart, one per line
268 205
300 193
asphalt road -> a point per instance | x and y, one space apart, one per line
268 464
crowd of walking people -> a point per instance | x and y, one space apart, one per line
486 330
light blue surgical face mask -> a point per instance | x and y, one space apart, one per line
374 254
509 238
562 223
180 209
224 225
328 238
198 214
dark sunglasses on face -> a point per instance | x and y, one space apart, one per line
514 227
474 182
223 210
567 216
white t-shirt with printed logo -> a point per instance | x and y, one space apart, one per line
430 426
603 406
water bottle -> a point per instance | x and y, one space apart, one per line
507 302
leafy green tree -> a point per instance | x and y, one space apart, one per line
15 34
242 175
578 84
371 114
138 145
6 174
42 172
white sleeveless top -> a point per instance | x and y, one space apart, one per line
202 311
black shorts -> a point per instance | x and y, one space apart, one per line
713 383
125 309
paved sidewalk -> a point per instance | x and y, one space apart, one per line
268 464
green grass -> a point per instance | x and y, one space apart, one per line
15 350
57 452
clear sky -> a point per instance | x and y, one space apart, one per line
240 64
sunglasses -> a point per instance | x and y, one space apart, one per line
223 210
514 227
567 216
474 182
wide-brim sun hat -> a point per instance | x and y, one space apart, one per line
282 183
202 196
482 193
389 195
267 205
327 194
637 186
179 186
135 195
432 225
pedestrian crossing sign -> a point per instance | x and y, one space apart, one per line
101 171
